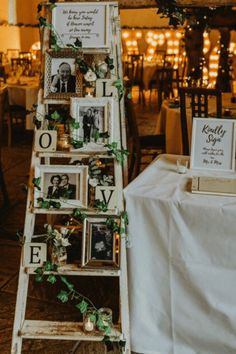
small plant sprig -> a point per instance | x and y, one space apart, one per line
78 215
100 205
77 144
48 204
119 154
36 181
81 302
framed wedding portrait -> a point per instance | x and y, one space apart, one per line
94 116
86 22
69 188
100 246
62 78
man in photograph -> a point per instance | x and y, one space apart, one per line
63 81
67 189
87 124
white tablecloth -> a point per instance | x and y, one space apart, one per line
24 95
181 264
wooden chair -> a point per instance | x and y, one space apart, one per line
15 116
135 73
142 149
199 108
167 79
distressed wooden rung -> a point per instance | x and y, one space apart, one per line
63 331
73 269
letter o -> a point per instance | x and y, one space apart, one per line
45 140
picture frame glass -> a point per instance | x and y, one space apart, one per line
86 22
213 144
101 246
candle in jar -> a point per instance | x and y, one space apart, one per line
88 325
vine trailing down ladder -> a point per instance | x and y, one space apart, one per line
77 171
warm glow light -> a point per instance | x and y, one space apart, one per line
148 40
169 51
128 43
154 43
151 50
213 66
134 43
170 43
176 43
125 35
161 41
205 34
156 36
139 34
167 34
150 34
161 36
176 51
213 74
36 46
178 35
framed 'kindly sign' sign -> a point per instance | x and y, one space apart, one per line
213 144
86 22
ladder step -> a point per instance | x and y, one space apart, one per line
73 269
32 329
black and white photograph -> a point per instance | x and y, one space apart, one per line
61 75
101 246
61 186
66 184
95 119
101 242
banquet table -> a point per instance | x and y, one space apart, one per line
181 264
169 123
24 94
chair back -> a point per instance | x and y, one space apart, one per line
133 143
135 68
167 78
199 99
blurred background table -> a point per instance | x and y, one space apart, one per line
169 121
181 264
24 94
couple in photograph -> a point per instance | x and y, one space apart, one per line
61 188
91 121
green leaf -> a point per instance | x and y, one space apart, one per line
48 266
78 215
63 296
39 278
65 281
77 144
36 182
112 224
55 116
44 204
74 124
129 96
52 279
82 306
39 270
124 215
55 205
42 21
100 205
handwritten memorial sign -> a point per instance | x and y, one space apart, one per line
83 21
213 144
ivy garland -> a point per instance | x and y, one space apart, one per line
49 273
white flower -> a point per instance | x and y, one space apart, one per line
93 182
90 76
107 180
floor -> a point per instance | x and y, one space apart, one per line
16 163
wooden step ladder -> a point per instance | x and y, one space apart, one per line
61 330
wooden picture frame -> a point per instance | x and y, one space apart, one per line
58 64
100 246
52 180
213 144
86 22
95 115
